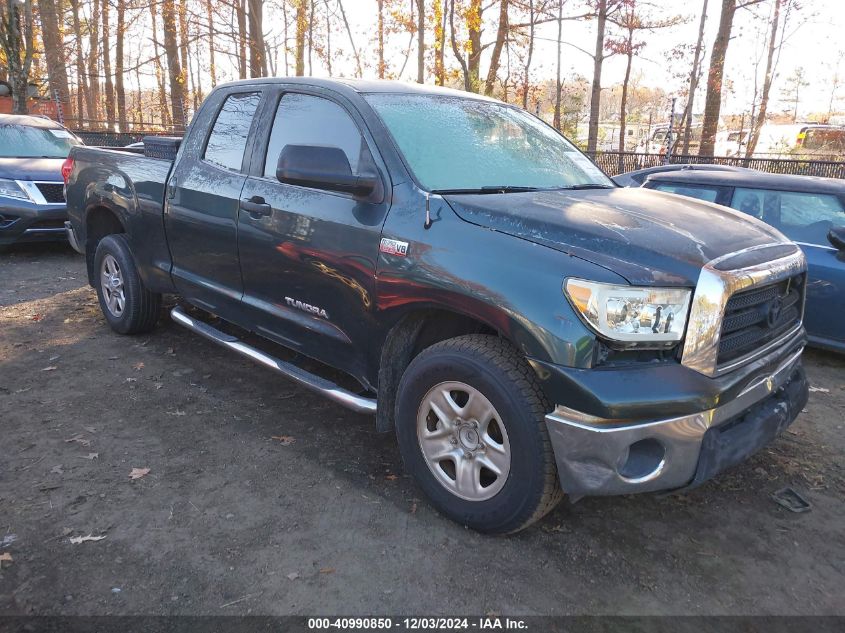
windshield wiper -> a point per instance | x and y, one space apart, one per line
489 189
589 185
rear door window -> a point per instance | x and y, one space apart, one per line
228 137
690 191
803 217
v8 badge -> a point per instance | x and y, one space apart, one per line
393 247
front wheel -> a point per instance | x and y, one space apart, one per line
471 430
127 304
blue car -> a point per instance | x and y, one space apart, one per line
807 209
32 198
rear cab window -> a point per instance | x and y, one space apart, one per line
802 217
228 138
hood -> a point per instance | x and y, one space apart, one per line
649 237
49 169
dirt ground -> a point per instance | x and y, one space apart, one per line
232 520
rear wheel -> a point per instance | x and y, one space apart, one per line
127 304
471 429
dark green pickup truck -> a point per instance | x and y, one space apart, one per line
527 328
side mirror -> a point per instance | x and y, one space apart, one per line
322 168
836 236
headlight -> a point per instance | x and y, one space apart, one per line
11 189
644 317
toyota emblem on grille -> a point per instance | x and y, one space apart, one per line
774 312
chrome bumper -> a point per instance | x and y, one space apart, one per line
71 237
609 457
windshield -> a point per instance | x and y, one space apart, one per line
21 141
451 143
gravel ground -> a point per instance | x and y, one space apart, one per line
231 519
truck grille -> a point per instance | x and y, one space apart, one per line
759 315
53 192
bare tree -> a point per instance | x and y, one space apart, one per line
602 9
17 41
715 76
257 47
54 53
632 19
120 89
109 77
174 68
695 75
777 33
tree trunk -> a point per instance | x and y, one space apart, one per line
496 55
183 38
240 10
174 69
693 82
94 63
120 89
162 92
82 85
359 71
54 54
456 49
760 120
421 41
257 60
17 45
109 77
301 30
380 29
440 14
526 81
623 106
474 24
595 92
558 82
715 77
211 63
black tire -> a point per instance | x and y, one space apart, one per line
500 373
140 306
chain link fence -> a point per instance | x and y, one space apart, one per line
614 163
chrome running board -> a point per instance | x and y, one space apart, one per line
308 380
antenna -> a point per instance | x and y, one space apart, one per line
427 210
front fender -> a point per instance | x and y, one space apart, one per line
512 285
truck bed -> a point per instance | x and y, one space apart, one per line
131 186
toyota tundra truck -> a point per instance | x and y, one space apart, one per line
524 326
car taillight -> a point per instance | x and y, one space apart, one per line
67 167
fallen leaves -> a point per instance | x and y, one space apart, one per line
137 473
90 456
37 317
138 366
79 438
293 575
76 540
327 570
5 557
177 413
50 368
284 440
391 477
57 470
819 390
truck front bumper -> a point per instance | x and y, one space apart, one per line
597 456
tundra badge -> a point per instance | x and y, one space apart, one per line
307 307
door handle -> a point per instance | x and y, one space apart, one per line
256 207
